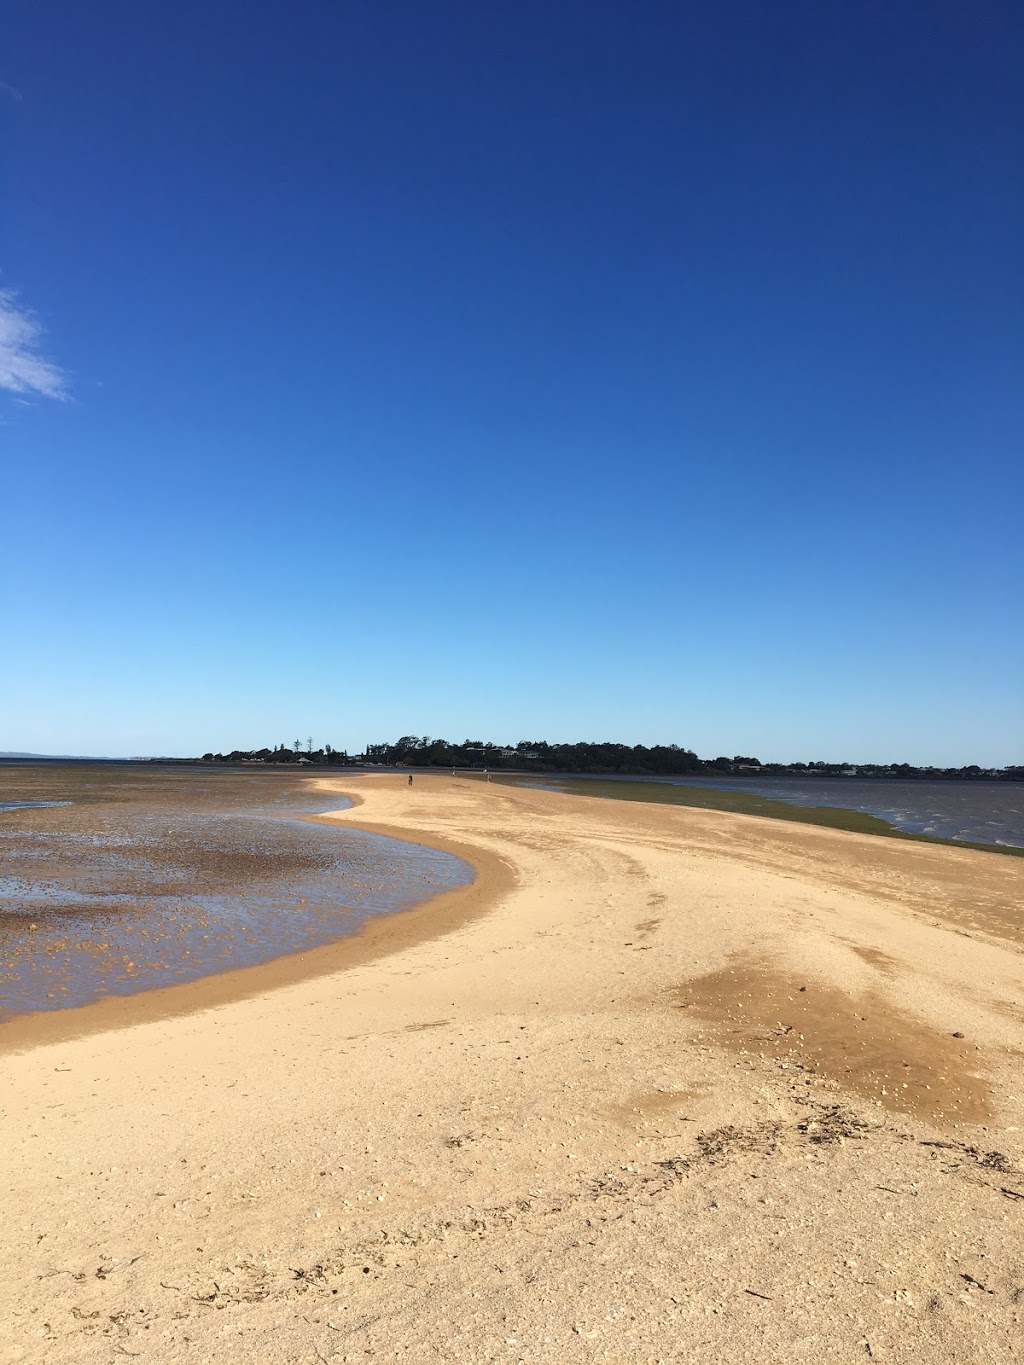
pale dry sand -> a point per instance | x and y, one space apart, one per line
594 1119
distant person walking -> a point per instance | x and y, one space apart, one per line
410 779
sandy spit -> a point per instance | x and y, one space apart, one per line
663 1085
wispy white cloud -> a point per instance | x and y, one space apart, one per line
22 368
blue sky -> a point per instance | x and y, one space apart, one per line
580 371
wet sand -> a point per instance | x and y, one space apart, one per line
129 879
663 1084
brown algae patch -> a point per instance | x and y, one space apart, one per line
646 927
860 1041
874 957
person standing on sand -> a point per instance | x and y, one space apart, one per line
410 779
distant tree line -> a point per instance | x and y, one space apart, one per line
298 752
537 755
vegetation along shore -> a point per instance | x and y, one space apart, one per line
414 751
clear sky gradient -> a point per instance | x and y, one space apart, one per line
643 371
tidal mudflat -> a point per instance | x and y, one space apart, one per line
116 879
663 1083
979 815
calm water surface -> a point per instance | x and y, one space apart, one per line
115 886
980 812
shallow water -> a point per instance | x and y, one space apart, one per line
30 805
151 879
975 811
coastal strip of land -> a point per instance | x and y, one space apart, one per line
740 802
664 1084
